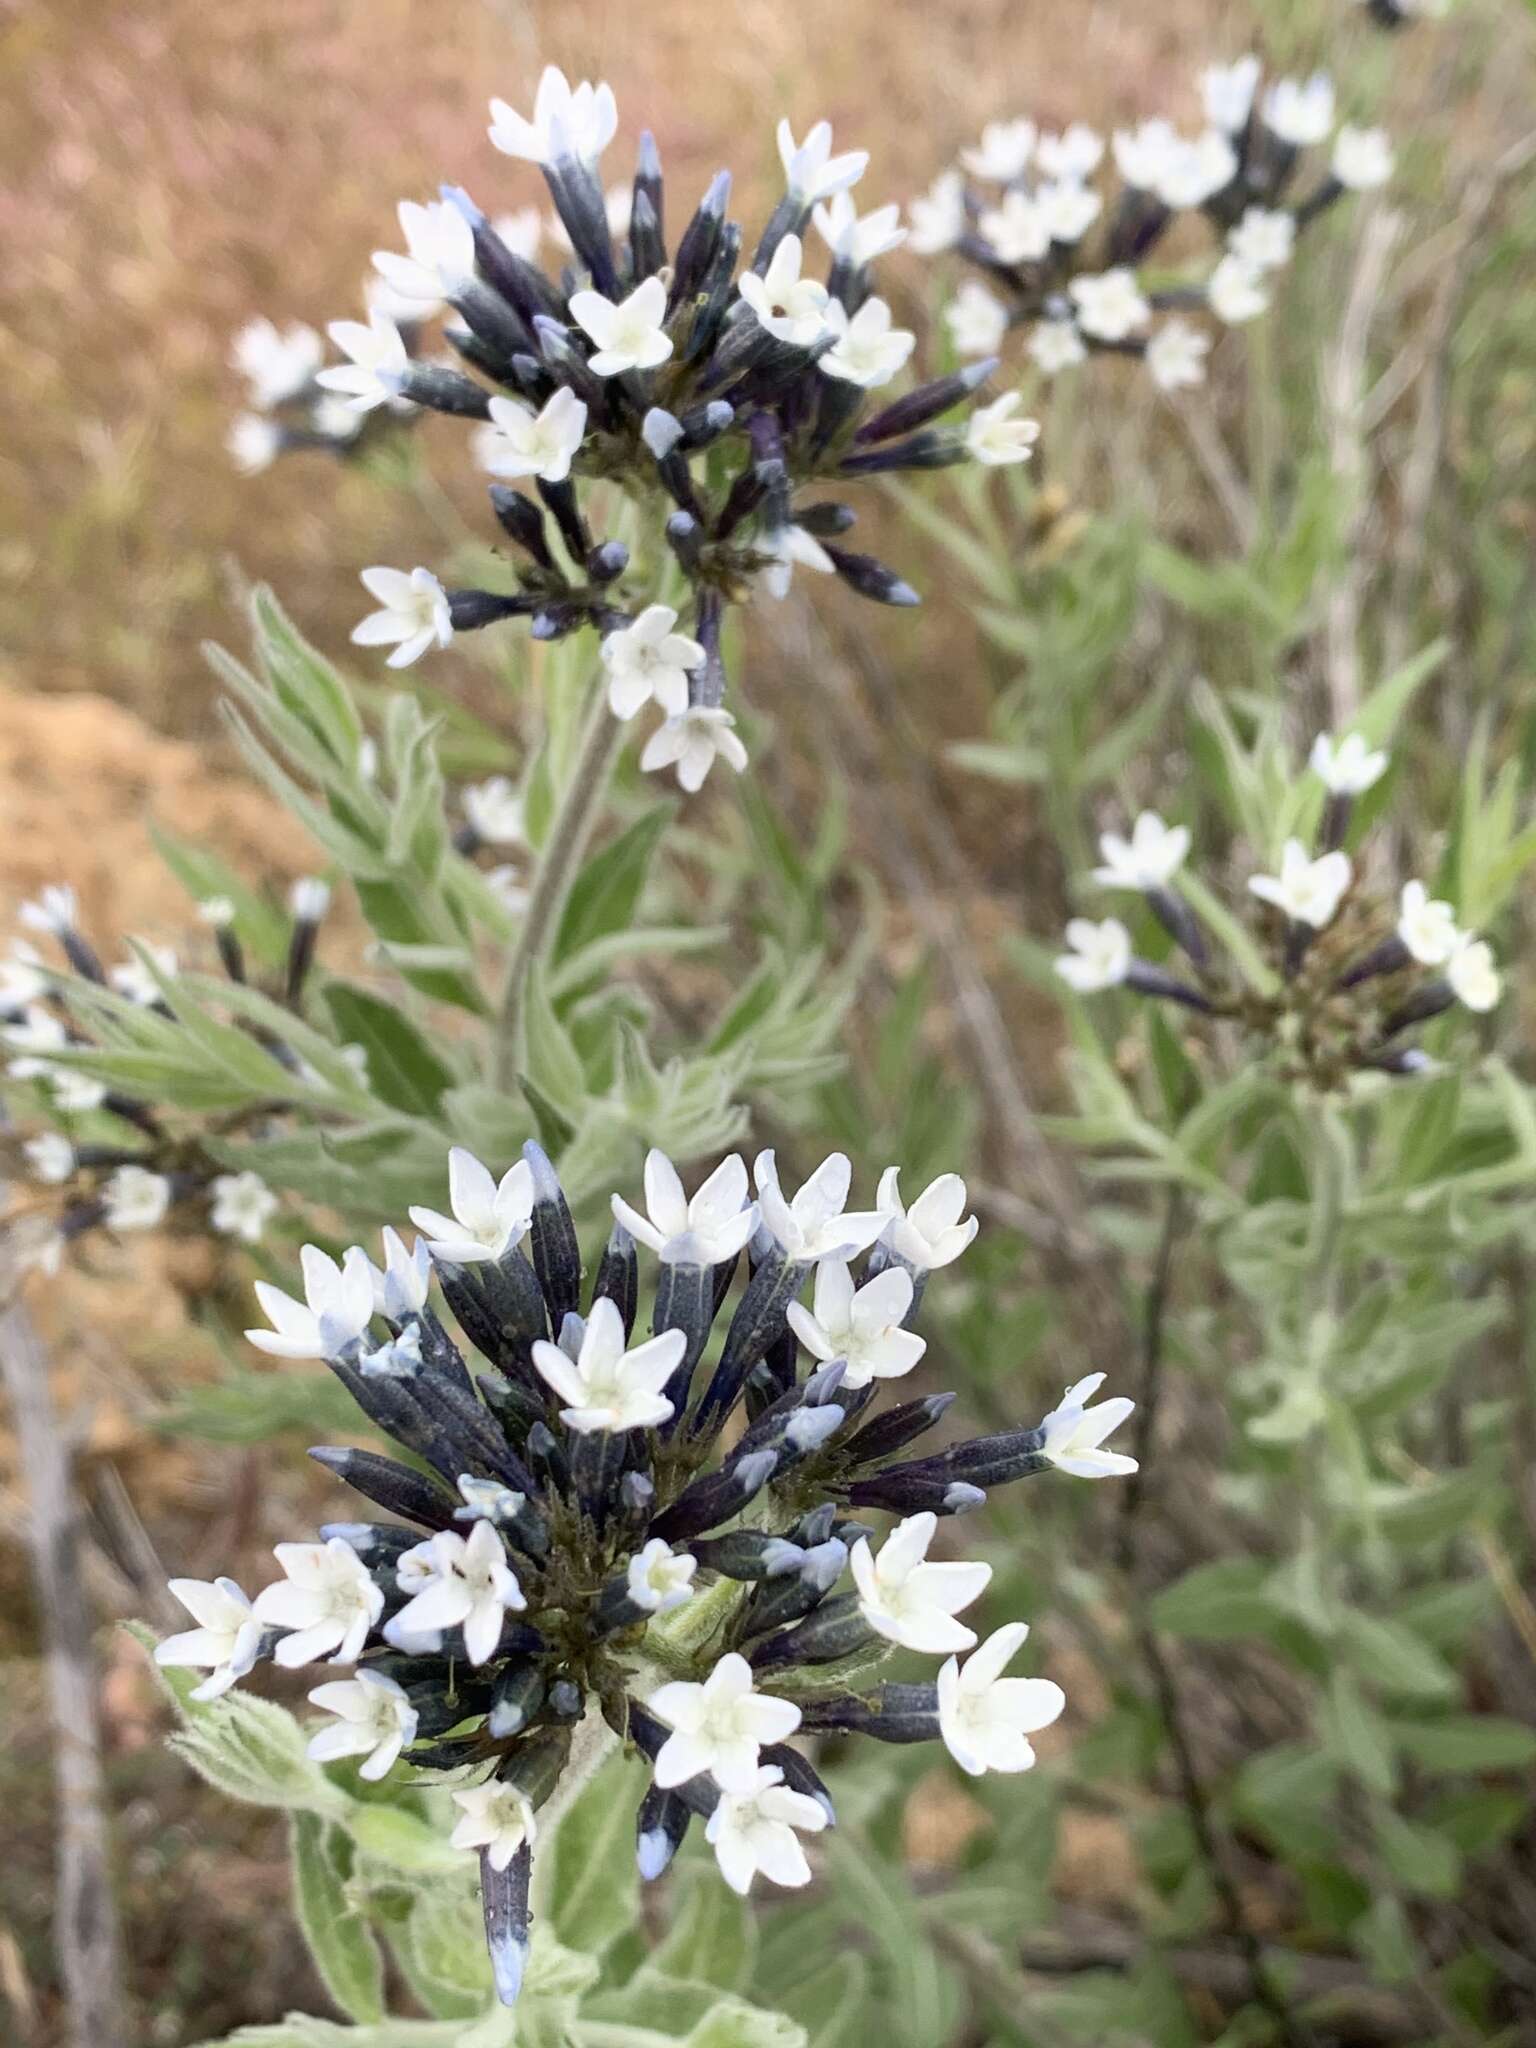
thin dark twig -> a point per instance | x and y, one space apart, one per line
1149 1392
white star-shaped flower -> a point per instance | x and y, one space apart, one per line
489 1216
692 741
719 1727
459 1582
521 442
326 1599
858 239
254 443
496 1818
1149 859
1426 926
811 171
1362 158
660 1578
1144 154
790 307
791 548
938 215
816 1224
648 660
986 1720
495 811
377 360
1074 1432
136 1199
1264 238
133 979
1100 957
225 1640
413 614
442 254
1055 345
1307 890
1003 152
1346 767
30 1041
1074 154
756 1830
276 363
909 1601
1016 229
977 320
1110 305
1236 292
629 335
1473 974
51 1157
606 1387
1299 110
861 1326
935 1230
577 121
23 977
374 1719
243 1205
868 351
54 910
1176 356
705 1229
995 438
1227 90
1192 172
1067 208
337 1307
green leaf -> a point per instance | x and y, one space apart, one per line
554 1065
593 1886
340 1940
1356 1735
1421 1859
833 2003
733 2024
403 1069
400 1840
1218 1602
440 1946
713 1935
1468 1742
1395 1660
255 1752
606 893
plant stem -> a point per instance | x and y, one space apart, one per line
569 833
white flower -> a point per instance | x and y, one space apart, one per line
755 1830
406 1281
629 335
276 363
50 1156
863 1327
22 977
986 1720
1110 306
1068 209
243 1205
1310 891
337 419
1346 767
458 1581
489 1216
1144 154
938 215
1299 110
339 1307
1227 92
254 443
660 1578
868 351
994 437
494 811
1056 345
521 442
786 305
815 1224
413 614
704 1230
375 1719
1075 154
855 240
1473 974
77 1091
909 1601
694 740
931 1233
1100 956
133 979
520 231
1176 356
608 1388
618 211
1264 238
1016 229
377 360
401 309
1004 150
567 121
977 320
217 912
1427 927
497 1818
510 887
791 548
327 1600
225 1640
811 171
719 1727
1362 158
442 253
1073 1432
1191 172
647 660
1236 292
53 910
1149 859
136 1199
38 1034
309 899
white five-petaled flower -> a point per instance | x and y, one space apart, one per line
568 120
1226 91
815 1224
254 443
1299 110
1473 974
986 1720
226 1638
496 1818
326 1600
1346 767
22 977
374 1719
855 239
1055 345
442 254
791 548
1100 956
30 1041
1143 154
1191 172
1016 229
495 811
977 320
1110 305
705 1229
489 1216
1003 152
1426 926
1067 208
910 1601
136 1199
337 1307
1236 292
459 1581
1176 356
938 215
377 360
1149 859
243 1205
755 1830
648 659
606 1387
1074 1433
50 1156
54 910
692 741
994 438
811 171
276 363
135 980
934 1231
1075 153
413 614
861 1326
77 1091
630 334
1307 890
868 350
1362 158
660 1578
1264 238
719 1727
518 441
790 307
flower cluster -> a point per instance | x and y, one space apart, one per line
606 1541
713 392
1063 248
1352 972
289 408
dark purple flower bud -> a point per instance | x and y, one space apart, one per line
928 402
1425 1003
1391 956
398 1489
896 1428
552 1238
561 500
789 1595
618 1276
748 1554
442 390
660 1826
893 1713
836 1630
579 201
760 1320
647 251
870 578
934 448
826 519
516 1697
522 522
697 251
716 1496
705 423
1148 980
1179 922
504 1894
685 1300
471 609
906 1490
489 317
500 1308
